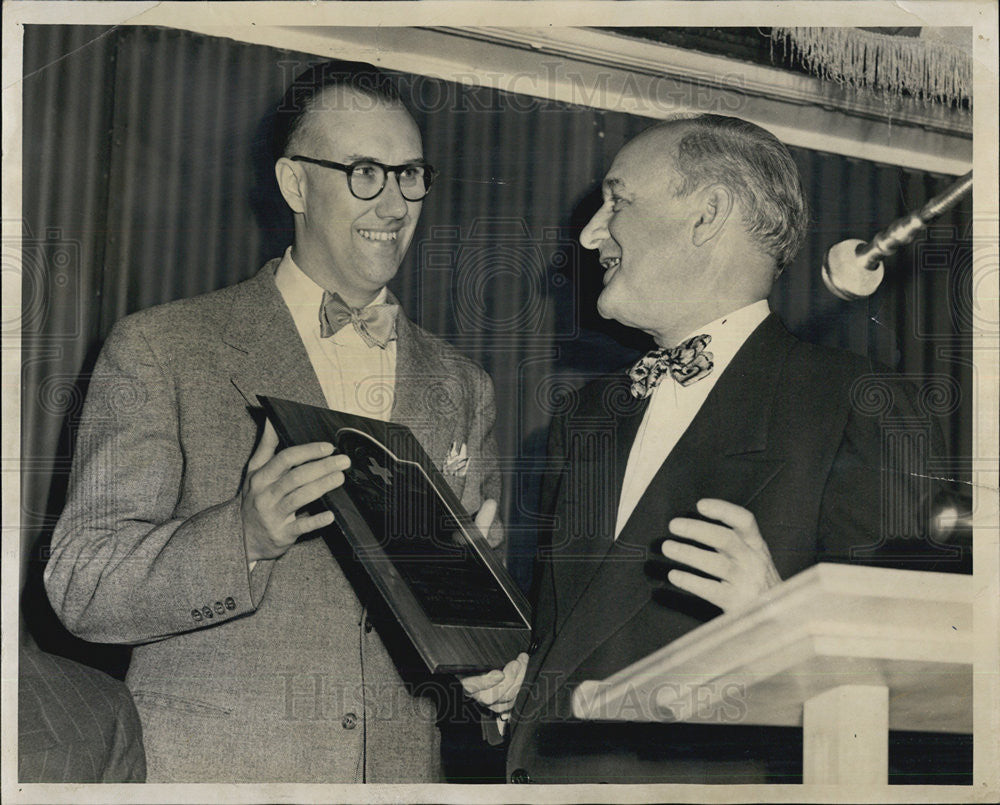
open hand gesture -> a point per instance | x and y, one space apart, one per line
739 559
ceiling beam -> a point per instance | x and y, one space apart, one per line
604 70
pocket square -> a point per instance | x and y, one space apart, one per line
457 461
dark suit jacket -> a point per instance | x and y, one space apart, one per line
238 676
74 724
791 431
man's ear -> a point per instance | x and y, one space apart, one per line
292 183
715 204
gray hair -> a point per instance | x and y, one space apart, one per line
759 170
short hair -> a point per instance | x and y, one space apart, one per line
759 170
301 96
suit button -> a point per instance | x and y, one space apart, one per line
368 626
219 608
533 647
196 614
349 721
520 776
230 603
207 612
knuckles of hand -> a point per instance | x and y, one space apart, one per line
732 549
255 482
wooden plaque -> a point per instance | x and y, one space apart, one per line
451 595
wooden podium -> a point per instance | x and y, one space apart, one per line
846 652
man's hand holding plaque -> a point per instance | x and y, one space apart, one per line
405 526
498 689
277 485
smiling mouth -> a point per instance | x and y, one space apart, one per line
375 235
610 265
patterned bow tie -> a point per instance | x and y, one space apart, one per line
686 364
376 324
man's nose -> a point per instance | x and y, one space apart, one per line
596 230
391 203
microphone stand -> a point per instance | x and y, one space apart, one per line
853 269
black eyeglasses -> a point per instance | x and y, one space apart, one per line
366 178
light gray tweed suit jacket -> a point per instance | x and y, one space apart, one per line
269 675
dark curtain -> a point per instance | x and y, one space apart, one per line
146 179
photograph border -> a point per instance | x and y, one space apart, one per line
249 22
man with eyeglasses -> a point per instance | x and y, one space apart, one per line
256 658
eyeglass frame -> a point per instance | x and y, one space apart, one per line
430 173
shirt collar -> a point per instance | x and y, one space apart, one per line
729 333
303 295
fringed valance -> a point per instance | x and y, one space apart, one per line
928 67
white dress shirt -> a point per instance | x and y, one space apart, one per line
672 407
355 378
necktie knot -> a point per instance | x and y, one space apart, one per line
686 363
376 324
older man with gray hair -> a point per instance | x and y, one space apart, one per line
724 461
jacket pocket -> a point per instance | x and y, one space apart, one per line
178 703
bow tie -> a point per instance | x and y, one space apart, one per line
376 324
686 363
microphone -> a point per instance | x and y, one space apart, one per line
853 269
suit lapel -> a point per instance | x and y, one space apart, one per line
723 454
409 403
598 458
425 389
268 356
630 414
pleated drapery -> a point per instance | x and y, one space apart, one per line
147 178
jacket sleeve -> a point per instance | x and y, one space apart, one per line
877 503
123 568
